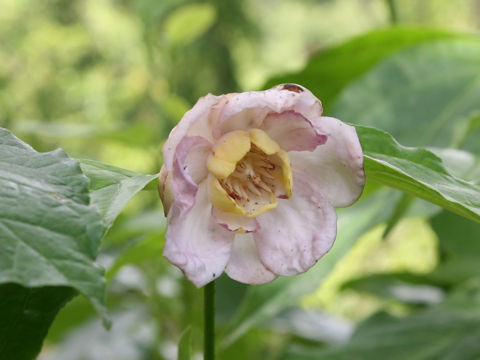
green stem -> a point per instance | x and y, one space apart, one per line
392 8
209 332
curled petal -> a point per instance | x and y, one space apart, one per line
195 243
292 131
165 189
196 122
298 232
247 110
337 166
244 264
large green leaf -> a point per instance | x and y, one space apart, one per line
423 95
449 330
331 70
112 188
49 236
417 171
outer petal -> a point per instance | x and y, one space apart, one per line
247 110
189 166
292 131
196 244
196 122
244 264
298 232
337 166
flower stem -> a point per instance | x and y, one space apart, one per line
209 312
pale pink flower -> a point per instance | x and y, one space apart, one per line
250 181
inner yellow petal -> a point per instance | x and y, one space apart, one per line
263 141
222 201
227 152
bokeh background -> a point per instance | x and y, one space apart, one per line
108 79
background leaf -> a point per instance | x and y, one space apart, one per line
331 70
421 95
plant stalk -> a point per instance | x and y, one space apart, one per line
209 322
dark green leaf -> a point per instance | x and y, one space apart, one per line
26 315
331 70
420 95
418 172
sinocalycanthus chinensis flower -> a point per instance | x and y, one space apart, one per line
250 182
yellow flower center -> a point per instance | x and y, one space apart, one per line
249 171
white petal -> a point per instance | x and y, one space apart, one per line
195 243
298 232
247 110
337 166
244 264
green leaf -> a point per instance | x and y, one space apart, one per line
264 301
49 234
418 172
420 95
331 70
26 315
449 330
185 345
112 188
189 21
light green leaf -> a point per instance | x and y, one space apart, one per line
418 172
112 188
189 22
420 95
185 345
49 234
331 70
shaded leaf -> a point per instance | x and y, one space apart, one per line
26 314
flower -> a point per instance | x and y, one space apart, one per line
250 181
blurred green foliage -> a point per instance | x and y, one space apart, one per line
108 79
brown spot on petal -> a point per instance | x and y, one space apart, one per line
292 87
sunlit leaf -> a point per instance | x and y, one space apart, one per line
449 330
189 21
